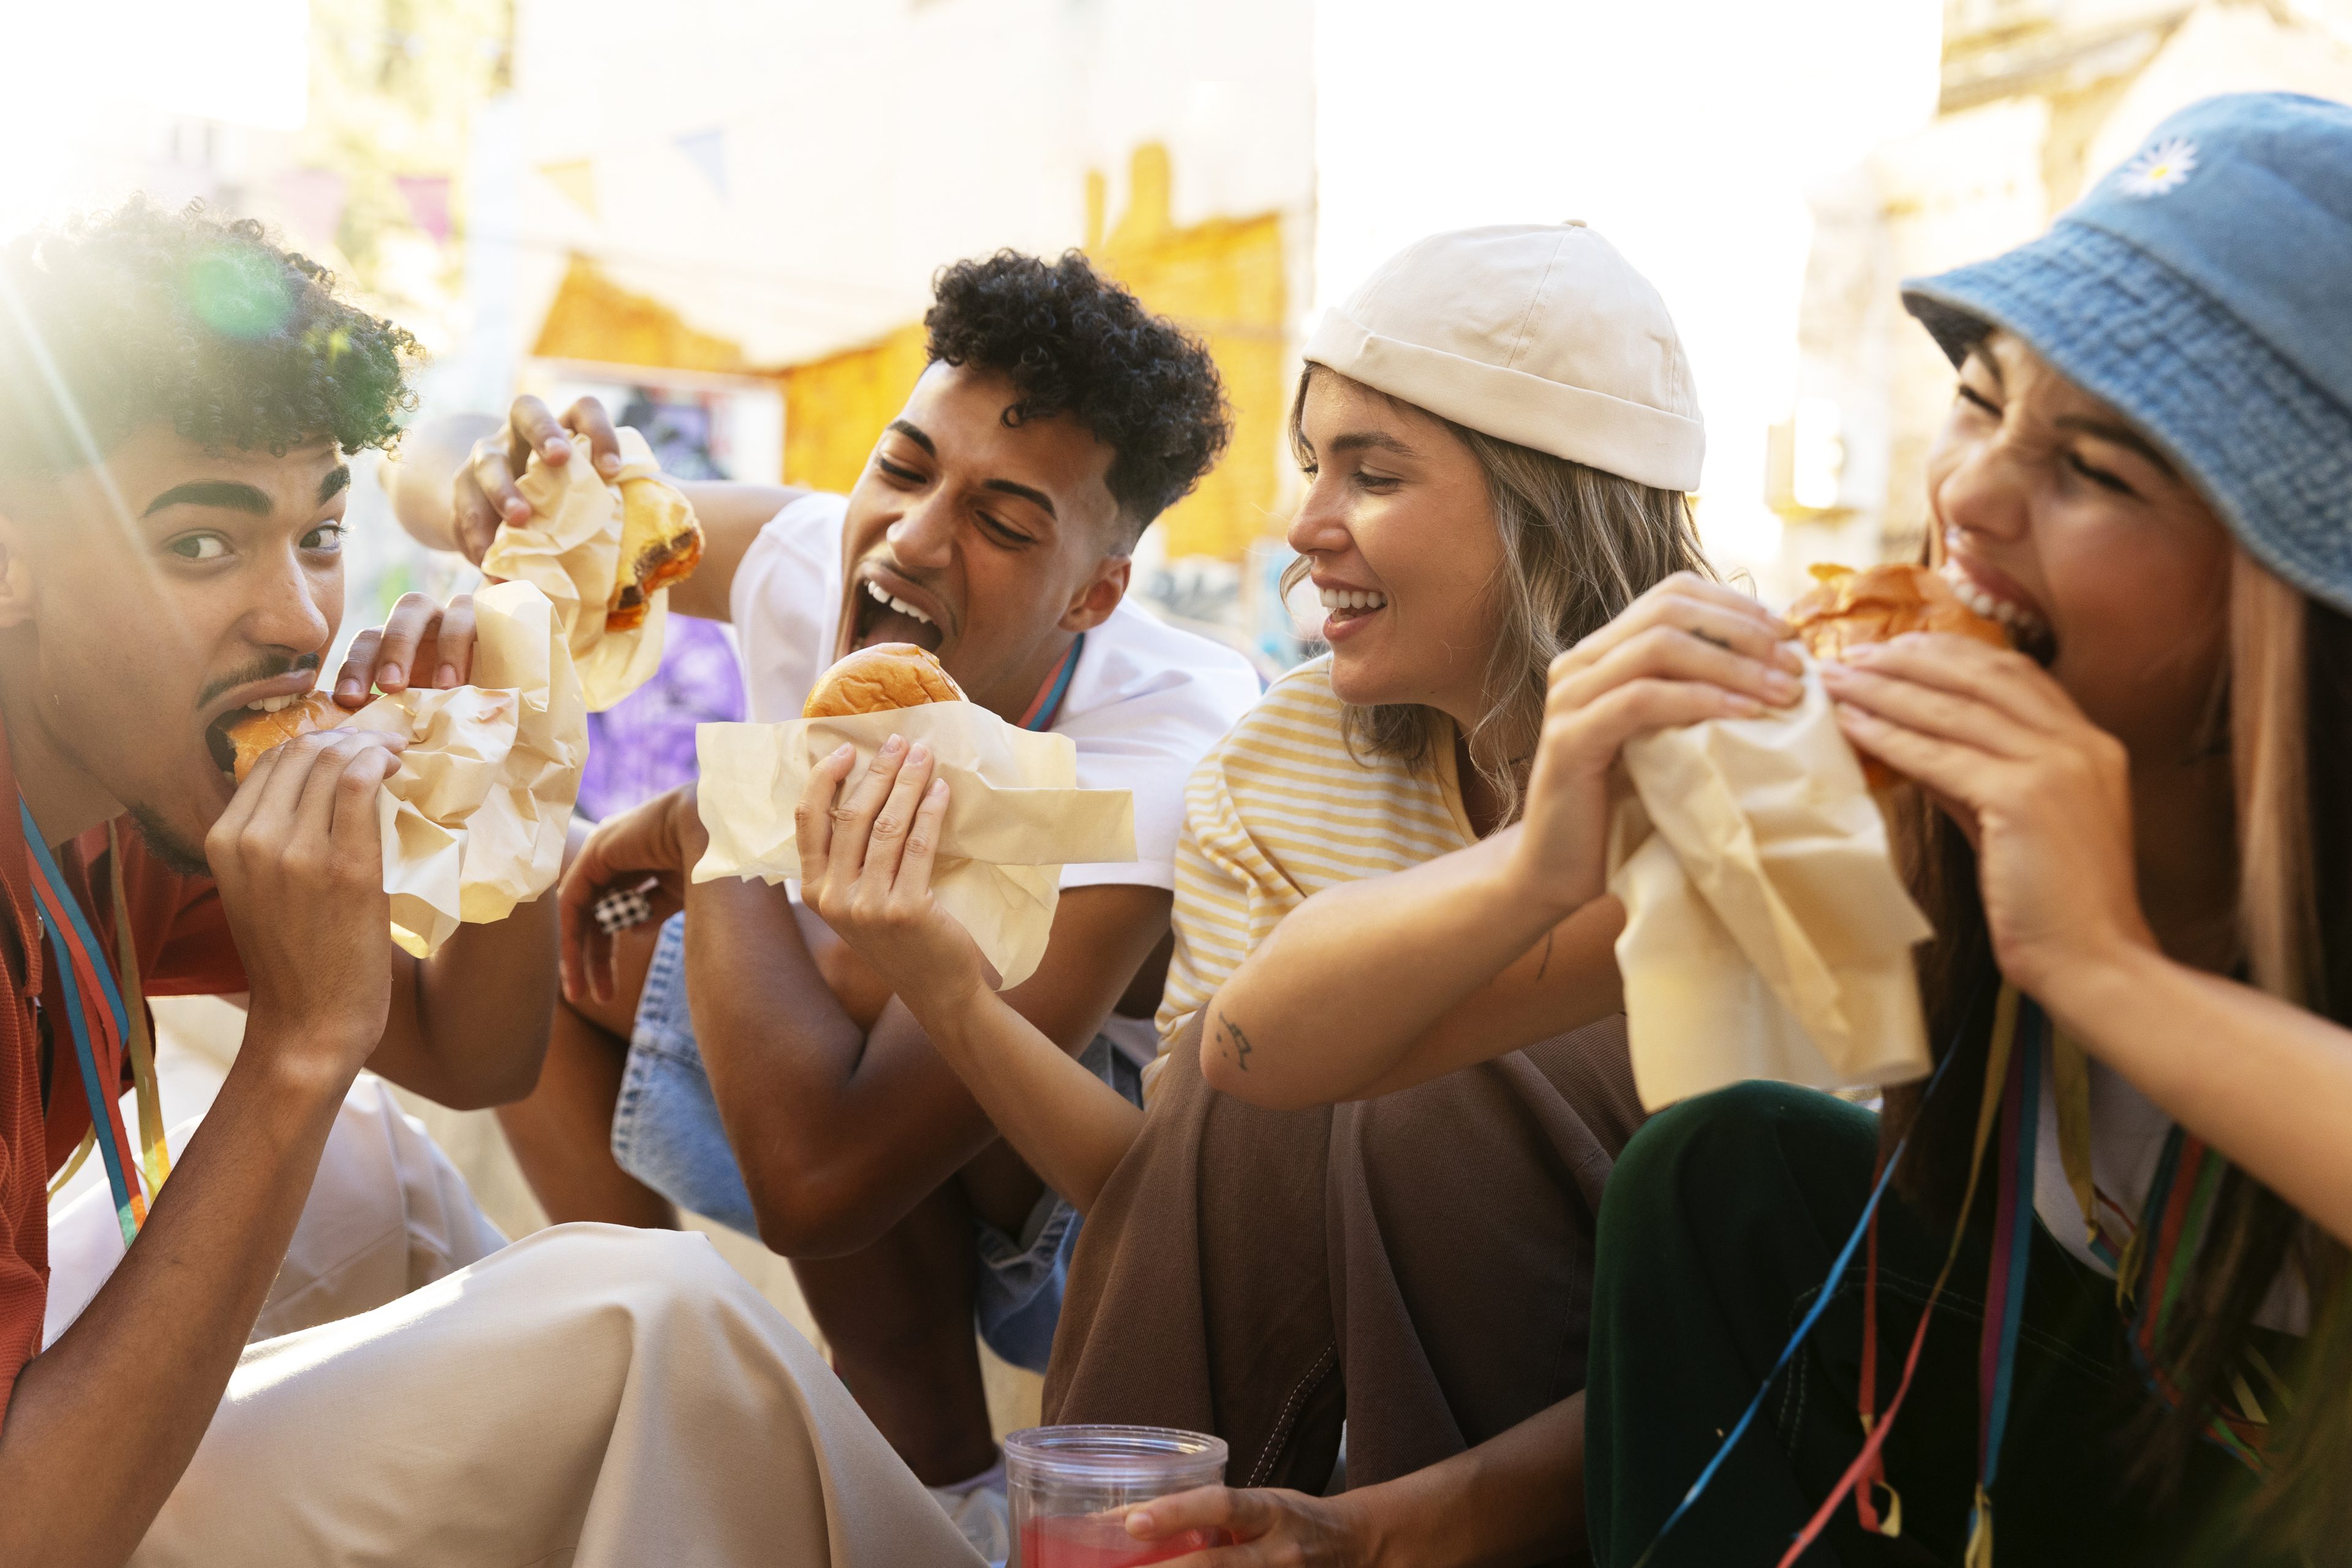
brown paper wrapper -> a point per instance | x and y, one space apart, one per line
571 552
475 819
1016 817
1767 932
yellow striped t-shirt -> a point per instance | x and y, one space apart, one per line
1276 812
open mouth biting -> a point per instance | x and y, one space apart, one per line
1993 595
880 615
217 744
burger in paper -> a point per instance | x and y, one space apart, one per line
661 544
1847 608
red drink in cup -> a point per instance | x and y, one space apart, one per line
1071 1488
1101 1540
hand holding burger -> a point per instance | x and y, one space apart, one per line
1847 609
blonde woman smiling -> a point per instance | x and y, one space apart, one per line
1497 432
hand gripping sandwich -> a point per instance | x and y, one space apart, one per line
605 553
474 818
1767 932
1015 813
1847 608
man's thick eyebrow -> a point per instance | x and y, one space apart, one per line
1035 498
914 433
229 494
334 484
1370 440
2121 435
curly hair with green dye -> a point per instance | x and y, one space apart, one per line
119 321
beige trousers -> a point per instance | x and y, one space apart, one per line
588 1397
387 1213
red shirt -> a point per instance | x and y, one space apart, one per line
182 935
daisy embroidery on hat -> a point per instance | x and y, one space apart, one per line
2163 167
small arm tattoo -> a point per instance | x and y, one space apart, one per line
1238 1045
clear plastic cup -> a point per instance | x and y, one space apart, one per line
1071 1488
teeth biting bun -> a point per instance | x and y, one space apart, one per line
878 678
1847 608
257 735
661 543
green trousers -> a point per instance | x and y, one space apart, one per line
1718 1228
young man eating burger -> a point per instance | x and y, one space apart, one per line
992 526
176 403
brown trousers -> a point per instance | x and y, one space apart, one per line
1419 1265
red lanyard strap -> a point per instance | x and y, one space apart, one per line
98 1030
1046 706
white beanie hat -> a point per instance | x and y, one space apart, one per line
1540 334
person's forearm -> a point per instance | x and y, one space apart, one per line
1372 986
831 1151
423 467
1071 1127
731 516
1514 1498
423 478
468 1026
101 1426
2266 1083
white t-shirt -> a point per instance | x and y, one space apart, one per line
2127 1134
1144 705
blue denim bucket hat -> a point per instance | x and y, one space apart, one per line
2204 290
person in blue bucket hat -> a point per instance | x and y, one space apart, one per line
2099 1313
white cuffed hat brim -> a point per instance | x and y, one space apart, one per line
1648 445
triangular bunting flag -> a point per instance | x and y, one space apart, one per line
576 178
427 197
707 150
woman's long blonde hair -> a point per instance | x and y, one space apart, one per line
1579 545
2285 716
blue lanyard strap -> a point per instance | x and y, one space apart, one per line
1047 705
79 953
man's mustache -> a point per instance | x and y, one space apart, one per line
269 669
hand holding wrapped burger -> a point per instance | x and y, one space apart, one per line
1849 609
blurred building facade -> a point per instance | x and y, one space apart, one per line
2039 97
737 198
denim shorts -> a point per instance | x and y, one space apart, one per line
666 1132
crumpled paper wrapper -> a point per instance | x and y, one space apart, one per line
475 819
1767 932
570 551
1016 817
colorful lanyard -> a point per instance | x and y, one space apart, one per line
2150 1265
2151 1259
1867 1474
2148 1273
101 1033
1046 706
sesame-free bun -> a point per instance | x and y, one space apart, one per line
1847 608
258 735
878 678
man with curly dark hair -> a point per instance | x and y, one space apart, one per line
992 525
177 398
